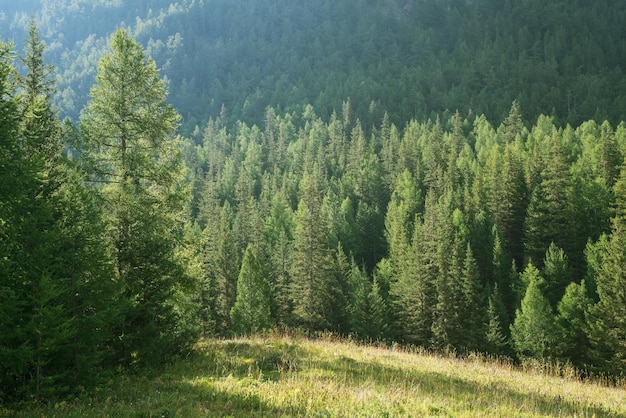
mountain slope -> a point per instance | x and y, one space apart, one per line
411 58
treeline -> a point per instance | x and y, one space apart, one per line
412 59
122 243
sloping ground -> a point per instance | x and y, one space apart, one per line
298 377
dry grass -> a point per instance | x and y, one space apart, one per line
280 376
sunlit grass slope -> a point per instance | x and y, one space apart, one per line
324 378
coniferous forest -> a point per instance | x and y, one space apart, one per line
445 174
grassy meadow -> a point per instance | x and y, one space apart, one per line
280 376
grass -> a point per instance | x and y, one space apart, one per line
280 376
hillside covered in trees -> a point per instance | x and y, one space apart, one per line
409 58
123 242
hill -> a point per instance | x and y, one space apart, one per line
411 58
280 376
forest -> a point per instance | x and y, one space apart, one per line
125 237
411 59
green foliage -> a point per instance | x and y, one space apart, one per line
314 291
126 247
134 160
533 331
607 318
367 308
251 313
574 341
384 57
557 275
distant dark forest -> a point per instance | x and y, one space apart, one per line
410 58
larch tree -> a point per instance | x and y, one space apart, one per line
557 275
573 345
133 155
252 312
534 331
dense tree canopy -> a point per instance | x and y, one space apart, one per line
352 210
412 59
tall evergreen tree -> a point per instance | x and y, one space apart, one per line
509 200
15 180
62 281
313 283
496 333
573 344
135 162
549 212
607 318
252 312
221 269
534 331
473 313
557 275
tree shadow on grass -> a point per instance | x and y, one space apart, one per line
481 399
275 358
187 388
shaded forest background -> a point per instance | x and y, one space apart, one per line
446 174
409 58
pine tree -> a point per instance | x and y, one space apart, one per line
277 238
40 128
135 162
414 292
359 302
367 307
252 312
447 327
509 200
62 282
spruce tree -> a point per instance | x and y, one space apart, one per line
473 314
16 178
497 331
549 212
221 268
313 277
607 318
